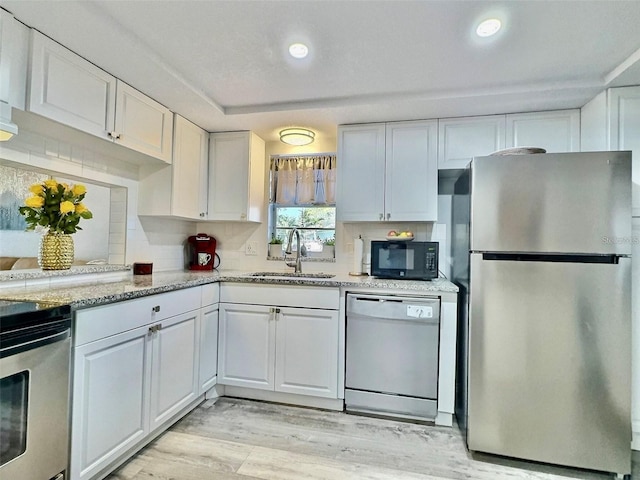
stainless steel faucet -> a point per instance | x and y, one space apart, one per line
297 264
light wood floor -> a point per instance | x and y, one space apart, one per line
235 439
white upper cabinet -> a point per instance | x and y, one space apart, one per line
361 171
236 177
556 131
411 180
142 124
179 189
461 139
14 45
68 89
190 166
611 121
388 172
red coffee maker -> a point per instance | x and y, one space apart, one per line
202 252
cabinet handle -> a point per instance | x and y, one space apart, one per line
388 216
114 135
202 214
156 309
155 328
273 313
381 217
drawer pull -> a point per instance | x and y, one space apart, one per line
155 328
156 309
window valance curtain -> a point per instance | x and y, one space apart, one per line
303 180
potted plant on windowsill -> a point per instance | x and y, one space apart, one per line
329 248
275 247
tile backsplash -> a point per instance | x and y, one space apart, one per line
130 237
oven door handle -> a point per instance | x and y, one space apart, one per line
33 344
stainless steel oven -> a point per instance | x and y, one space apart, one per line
35 353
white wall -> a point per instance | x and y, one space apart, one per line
129 239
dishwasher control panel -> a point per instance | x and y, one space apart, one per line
419 311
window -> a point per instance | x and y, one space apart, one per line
302 195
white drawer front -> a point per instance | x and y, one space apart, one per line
100 322
282 295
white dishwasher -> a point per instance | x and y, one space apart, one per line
392 355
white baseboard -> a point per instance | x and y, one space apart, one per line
280 397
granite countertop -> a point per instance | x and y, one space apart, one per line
35 273
81 293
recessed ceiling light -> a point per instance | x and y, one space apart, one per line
488 27
298 50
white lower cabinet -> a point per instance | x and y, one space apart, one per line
208 369
307 352
246 346
174 372
289 349
110 398
292 350
136 368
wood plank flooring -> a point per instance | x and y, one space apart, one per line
234 439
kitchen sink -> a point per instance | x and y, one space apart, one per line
291 275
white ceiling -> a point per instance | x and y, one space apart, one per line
224 64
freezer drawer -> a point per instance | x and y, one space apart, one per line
392 345
550 362
564 202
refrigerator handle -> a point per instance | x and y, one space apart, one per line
611 259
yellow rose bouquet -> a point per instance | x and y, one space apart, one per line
55 206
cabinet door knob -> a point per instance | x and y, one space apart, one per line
388 216
156 309
155 328
114 135
381 216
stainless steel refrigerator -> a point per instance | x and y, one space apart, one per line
542 255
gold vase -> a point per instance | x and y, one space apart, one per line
56 251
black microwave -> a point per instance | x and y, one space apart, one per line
405 260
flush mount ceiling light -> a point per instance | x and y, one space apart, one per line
488 27
298 50
7 128
297 136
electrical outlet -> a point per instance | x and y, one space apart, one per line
251 248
